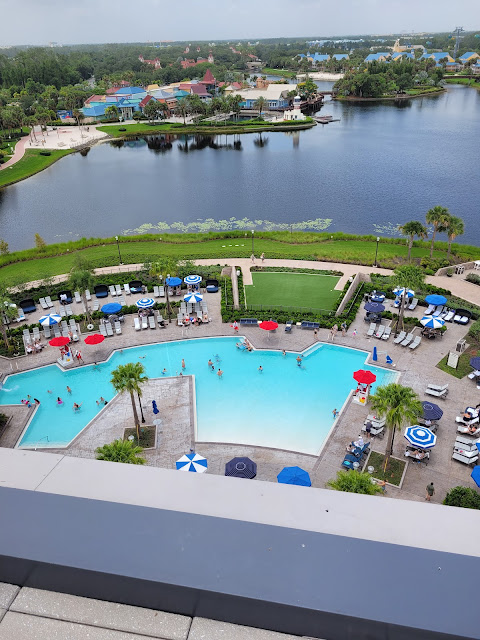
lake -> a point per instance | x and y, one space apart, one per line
380 166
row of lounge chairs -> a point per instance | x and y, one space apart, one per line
408 340
439 391
382 332
148 322
356 456
465 450
106 328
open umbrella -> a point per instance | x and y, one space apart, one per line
173 281
48 321
408 292
193 279
145 303
268 325
431 322
374 307
59 342
294 475
436 299
192 462
364 377
475 363
111 307
420 437
193 297
475 475
241 468
95 338
431 411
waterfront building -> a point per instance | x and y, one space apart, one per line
469 56
275 94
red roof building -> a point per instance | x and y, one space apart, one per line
95 98
145 101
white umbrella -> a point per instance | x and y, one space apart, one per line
145 303
192 462
48 321
193 297
431 322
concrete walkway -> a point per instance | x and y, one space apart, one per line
17 154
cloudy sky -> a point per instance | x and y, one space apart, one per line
86 21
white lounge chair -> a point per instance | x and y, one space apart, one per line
144 322
436 387
371 329
43 304
36 333
448 317
56 331
462 429
118 290
161 291
88 295
386 333
400 337
46 332
413 304
96 305
103 330
407 340
437 394
121 300
156 292
136 323
380 330
68 310
415 342
63 313
151 322
21 315
109 328
430 310
438 311
127 289
49 302
118 327
113 293
78 297
463 458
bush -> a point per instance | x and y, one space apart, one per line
45 153
472 277
474 331
462 497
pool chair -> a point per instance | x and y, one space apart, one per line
151 322
448 317
77 296
407 340
413 304
410 452
144 322
360 452
349 461
43 304
462 316
136 286
88 295
400 338
371 329
136 323
436 387
103 330
380 331
438 394
438 311
126 288
111 288
466 458
288 327
430 310
27 305
387 333
101 290
49 302
118 327
474 420
161 291
156 292
417 340
466 432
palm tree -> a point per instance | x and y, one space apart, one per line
81 278
354 482
412 229
454 227
182 109
120 451
7 312
408 276
398 405
437 218
129 377
260 103
164 268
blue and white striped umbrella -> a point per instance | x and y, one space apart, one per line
431 322
193 297
192 462
192 279
145 303
420 437
408 292
52 318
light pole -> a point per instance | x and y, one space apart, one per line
253 235
376 252
118 247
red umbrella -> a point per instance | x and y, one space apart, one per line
96 338
59 342
364 377
268 325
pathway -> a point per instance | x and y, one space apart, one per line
17 154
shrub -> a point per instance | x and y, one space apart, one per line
472 277
462 497
474 331
45 153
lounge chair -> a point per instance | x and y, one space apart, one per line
65 333
144 322
448 317
438 311
430 310
43 304
407 340
96 305
113 293
49 302
103 330
371 329
251 321
72 324
410 453
436 387
461 457
288 327
36 333
118 290
387 333
151 322
88 295
396 303
56 331
437 394
413 304
118 327
156 292
68 310
46 332
136 323
161 291
473 375
21 316
415 342
179 321
127 289
109 329
400 337
78 297
380 331
63 313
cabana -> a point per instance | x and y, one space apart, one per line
27 305
68 299
211 286
101 290
462 316
136 286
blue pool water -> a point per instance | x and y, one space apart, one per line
285 406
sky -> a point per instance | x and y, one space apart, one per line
98 21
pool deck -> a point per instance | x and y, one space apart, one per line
416 368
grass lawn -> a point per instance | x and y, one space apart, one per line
292 290
32 162
282 73
147 436
463 367
394 470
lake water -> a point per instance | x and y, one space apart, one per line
381 165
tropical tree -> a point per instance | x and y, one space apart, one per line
7 312
437 217
129 377
78 115
182 109
408 276
454 227
260 103
462 497
354 482
412 229
81 279
235 102
162 269
120 451
398 405
112 112
152 110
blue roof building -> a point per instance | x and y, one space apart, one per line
340 56
377 57
400 54
128 91
469 55
95 111
320 57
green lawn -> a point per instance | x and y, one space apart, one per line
463 367
282 73
297 290
32 162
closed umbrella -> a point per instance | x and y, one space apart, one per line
432 323
375 355
154 407
431 411
48 321
420 437
294 475
374 307
241 468
192 462
435 299
193 279
145 303
193 297
111 307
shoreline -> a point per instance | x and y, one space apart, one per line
389 98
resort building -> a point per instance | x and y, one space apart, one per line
381 56
341 56
402 55
438 56
475 68
275 94
296 112
469 56
154 63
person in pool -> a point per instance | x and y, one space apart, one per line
219 373
59 400
76 406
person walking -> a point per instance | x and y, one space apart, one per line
315 334
253 258
344 328
262 257
430 492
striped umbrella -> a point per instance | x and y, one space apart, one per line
408 292
193 279
52 318
145 303
432 323
420 437
192 462
193 297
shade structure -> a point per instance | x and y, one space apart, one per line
374 307
431 411
294 475
173 281
475 475
193 279
377 296
145 303
59 342
48 321
193 297
434 298
475 362
420 437
241 468
432 323
399 291
192 462
111 307
364 377
268 325
95 338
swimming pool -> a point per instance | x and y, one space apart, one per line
285 406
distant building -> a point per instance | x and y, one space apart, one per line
437 56
340 56
154 63
475 68
381 56
275 94
403 55
469 56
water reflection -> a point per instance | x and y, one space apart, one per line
200 142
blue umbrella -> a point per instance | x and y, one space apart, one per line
145 303
475 475
192 462
241 468
408 292
52 318
434 298
377 296
389 360
154 407
192 279
475 363
111 307
294 475
420 437
374 307
374 356
173 281
431 322
431 411
193 297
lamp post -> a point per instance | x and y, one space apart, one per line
376 252
118 247
253 235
